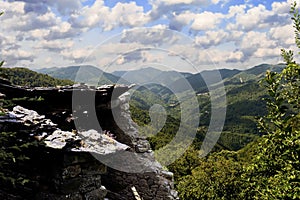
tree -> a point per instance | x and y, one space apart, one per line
275 171
216 177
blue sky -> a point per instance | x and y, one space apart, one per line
120 35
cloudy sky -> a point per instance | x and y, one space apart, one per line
118 35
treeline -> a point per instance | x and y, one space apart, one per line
26 77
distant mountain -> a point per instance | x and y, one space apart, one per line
261 69
151 75
243 99
253 74
200 80
88 74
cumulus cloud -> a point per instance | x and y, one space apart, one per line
178 2
55 45
267 52
211 38
237 34
153 37
236 10
13 56
283 7
218 56
78 55
7 40
41 7
62 30
206 21
196 21
284 36
259 18
236 56
37 34
89 16
121 15
178 21
161 8
252 41
14 20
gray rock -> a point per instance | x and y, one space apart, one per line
88 141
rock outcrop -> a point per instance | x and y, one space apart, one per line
89 163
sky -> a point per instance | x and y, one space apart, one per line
184 35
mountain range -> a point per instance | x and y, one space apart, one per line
243 93
92 74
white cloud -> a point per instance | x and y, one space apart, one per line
64 7
55 45
236 56
259 17
62 30
163 8
254 39
78 55
29 21
36 29
12 57
7 40
211 38
267 52
90 16
218 57
206 21
258 44
12 8
37 34
121 15
283 7
198 21
236 10
126 14
187 2
178 21
283 35
151 37
253 18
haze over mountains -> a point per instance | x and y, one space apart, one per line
91 75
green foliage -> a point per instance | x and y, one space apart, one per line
216 177
275 171
184 165
14 152
26 77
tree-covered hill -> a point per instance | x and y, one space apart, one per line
88 74
244 104
27 77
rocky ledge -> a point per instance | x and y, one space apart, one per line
78 164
